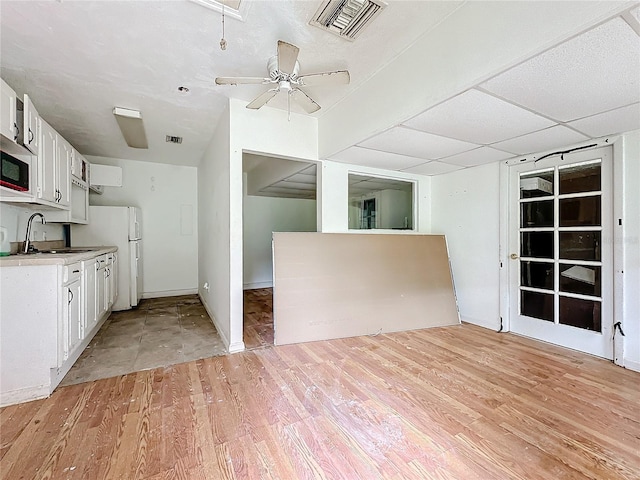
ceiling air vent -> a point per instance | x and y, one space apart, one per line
172 139
346 18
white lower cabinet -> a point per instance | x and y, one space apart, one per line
89 271
48 315
72 312
101 286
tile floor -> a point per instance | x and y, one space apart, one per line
160 332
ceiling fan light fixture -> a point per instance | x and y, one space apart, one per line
131 126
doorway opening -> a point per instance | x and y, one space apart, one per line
279 195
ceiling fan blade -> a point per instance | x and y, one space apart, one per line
263 98
241 80
340 77
287 56
305 101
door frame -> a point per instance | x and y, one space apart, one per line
505 228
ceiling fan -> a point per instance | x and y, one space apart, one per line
283 74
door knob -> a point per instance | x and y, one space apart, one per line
514 256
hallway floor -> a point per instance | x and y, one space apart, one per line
160 332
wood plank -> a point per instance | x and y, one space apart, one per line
453 402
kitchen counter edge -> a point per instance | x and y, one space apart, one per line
66 258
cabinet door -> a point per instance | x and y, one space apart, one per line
46 178
101 289
8 125
90 288
63 171
114 279
74 330
31 126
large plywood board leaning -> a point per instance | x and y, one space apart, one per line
332 285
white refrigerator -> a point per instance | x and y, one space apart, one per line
120 227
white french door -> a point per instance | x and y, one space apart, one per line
561 252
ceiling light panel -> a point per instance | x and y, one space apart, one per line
433 168
578 78
375 158
554 137
620 120
414 143
479 156
131 126
478 117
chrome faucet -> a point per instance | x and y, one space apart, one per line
27 242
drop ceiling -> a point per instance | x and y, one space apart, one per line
80 59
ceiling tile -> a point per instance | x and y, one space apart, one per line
554 137
414 143
620 120
479 156
375 158
433 168
478 117
303 178
578 78
297 185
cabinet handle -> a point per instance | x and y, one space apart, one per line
76 271
70 296
17 134
30 135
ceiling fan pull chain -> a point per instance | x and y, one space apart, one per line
223 42
289 105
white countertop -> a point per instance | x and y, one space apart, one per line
64 258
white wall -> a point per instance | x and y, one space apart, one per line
214 240
465 207
631 249
14 218
167 195
262 217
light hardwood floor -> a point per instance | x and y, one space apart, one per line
445 403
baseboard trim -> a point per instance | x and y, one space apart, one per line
23 395
257 285
481 323
631 365
216 324
236 347
170 293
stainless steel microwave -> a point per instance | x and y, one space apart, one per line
14 173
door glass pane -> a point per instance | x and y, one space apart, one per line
536 305
582 211
536 274
536 244
580 246
580 178
536 184
536 214
581 313
583 279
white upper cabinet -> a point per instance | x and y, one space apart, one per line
31 126
46 177
8 123
63 171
